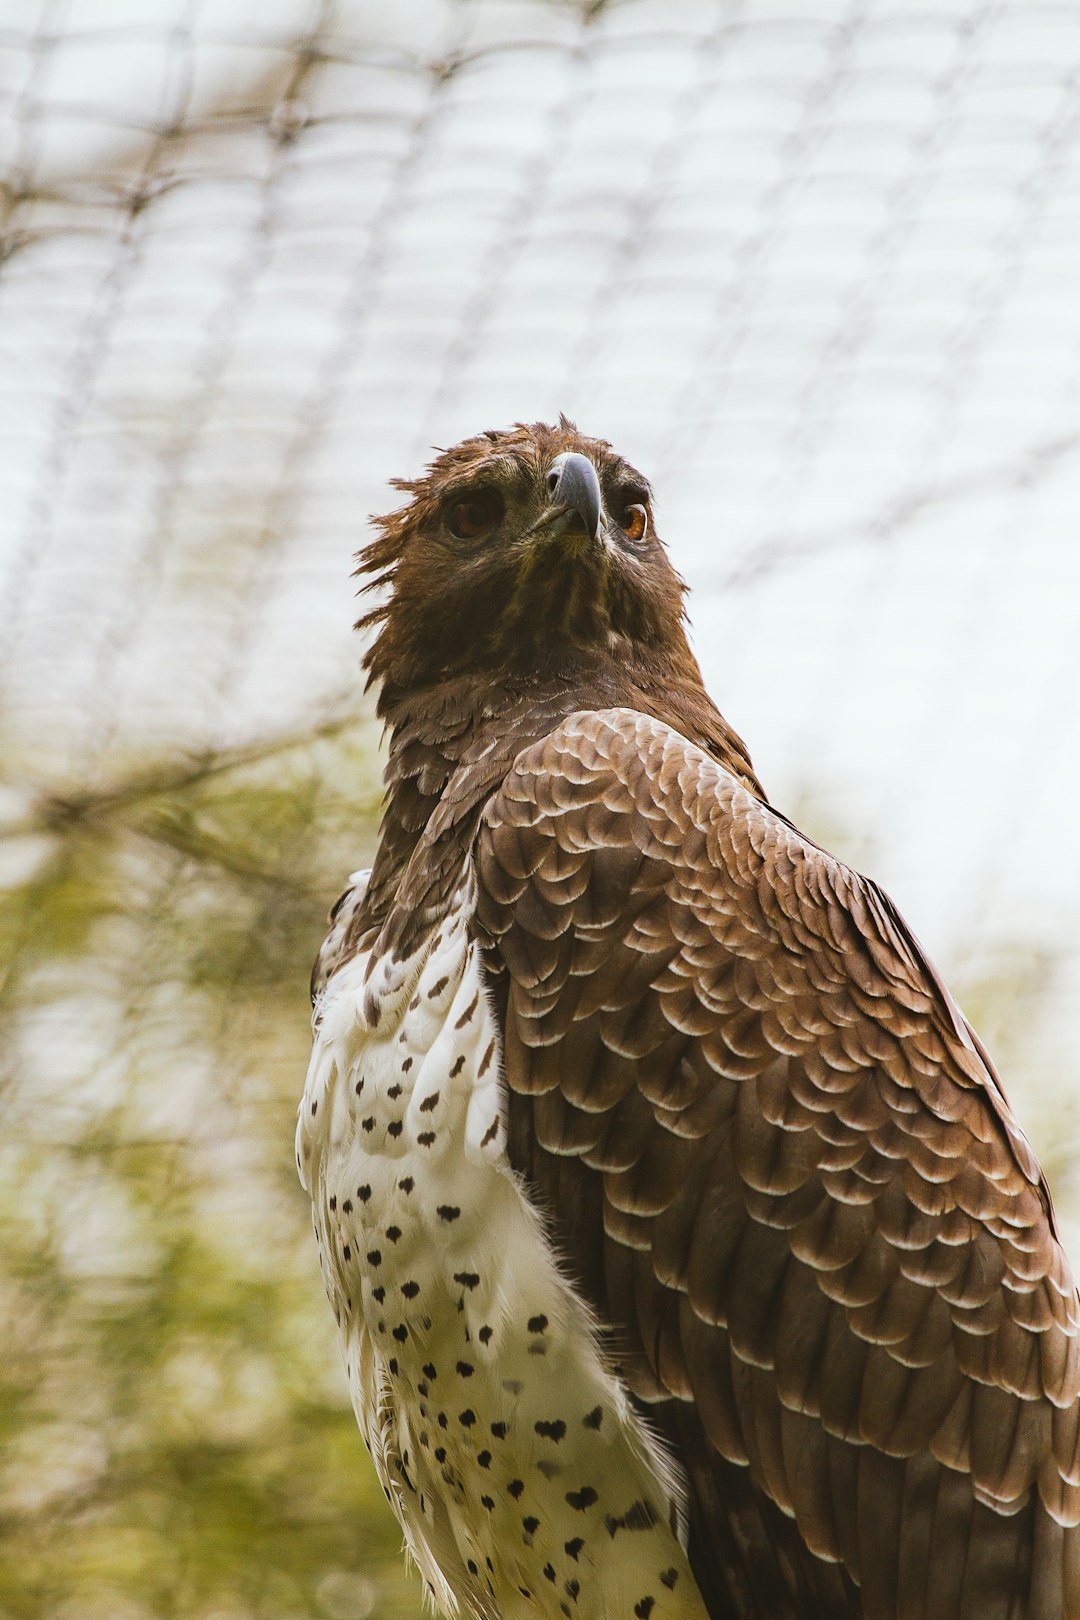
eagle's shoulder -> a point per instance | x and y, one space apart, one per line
617 779
640 750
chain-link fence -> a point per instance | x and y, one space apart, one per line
811 266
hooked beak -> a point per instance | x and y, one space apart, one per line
574 487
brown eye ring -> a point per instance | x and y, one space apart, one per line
635 523
476 514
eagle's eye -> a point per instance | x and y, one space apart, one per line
475 514
635 522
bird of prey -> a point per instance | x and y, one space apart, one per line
687 1256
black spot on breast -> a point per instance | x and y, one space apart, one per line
440 1454
537 1324
549 1572
572 1588
448 1212
459 1064
414 1003
315 1106
499 1430
378 1294
488 1502
530 1525
484 1459
641 1515
346 1253
363 1193
422 1389
467 1418
467 1279
346 1208
465 1368
580 1500
406 1184
392 1364
515 1487
436 990
430 1103
394 1091
553 1430
644 1608
393 1233
426 1138
428 1370
374 1257
333 1203
485 1334
406 1066
668 1579
593 1419
491 1133
369 1123
467 1014
401 1333
471 1567
395 1128
359 1086
410 1289
443 1420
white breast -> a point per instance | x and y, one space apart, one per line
523 1481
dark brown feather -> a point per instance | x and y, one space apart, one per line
868 1305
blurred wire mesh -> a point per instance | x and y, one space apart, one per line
812 266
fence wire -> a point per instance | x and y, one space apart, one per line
811 266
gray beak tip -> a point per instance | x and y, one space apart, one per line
573 482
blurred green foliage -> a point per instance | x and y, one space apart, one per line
174 1420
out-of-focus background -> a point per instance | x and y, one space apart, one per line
812 265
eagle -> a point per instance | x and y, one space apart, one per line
687 1257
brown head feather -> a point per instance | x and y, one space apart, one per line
518 601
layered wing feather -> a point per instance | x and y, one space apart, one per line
780 1166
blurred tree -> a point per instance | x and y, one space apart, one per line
174 1422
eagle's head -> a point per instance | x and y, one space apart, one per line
526 553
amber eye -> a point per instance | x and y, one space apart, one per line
473 515
635 522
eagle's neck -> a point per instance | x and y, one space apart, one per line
451 746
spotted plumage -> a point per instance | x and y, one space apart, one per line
480 1378
687 1256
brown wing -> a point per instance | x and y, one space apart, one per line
779 1165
